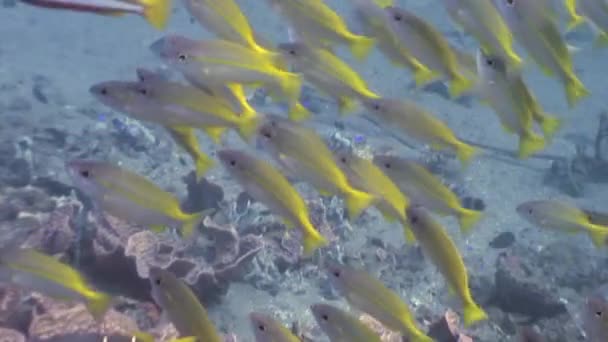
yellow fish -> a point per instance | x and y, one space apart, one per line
42 273
267 329
440 248
419 124
369 295
561 216
424 188
365 175
316 22
304 153
341 326
131 197
266 184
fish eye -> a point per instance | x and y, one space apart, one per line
261 327
157 281
510 2
387 165
103 91
325 317
490 62
143 91
181 57
292 52
376 106
343 159
414 219
336 274
530 211
397 17
233 162
85 173
267 135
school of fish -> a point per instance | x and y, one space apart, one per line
219 72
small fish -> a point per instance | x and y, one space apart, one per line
535 28
376 25
308 158
561 216
156 12
226 20
498 88
222 63
328 73
317 22
439 247
131 197
182 306
267 329
175 105
365 175
267 185
428 46
45 274
419 124
594 316
341 326
481 19
369 295
597 14
424 188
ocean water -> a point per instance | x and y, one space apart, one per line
48 61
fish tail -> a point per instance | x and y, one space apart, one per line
473 313
313 240
550 125
157 12
248 126
468 219
356 202
98 304
529 144
575 18
298 112
423 75
599 236
202 164
291 86
465 153
410 238
575 90
192 222
361 47
459 85
214 133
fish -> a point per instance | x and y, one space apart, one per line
267 329
156 12
368 294
365 175
376 24
316 21
561 216
439 247
497 88
596 13
594 316
226 20
131 197
327 73
535 28
42 273
428 46
174 104
424 188
263 182
481 19
221 62
182 306
341 326
419 124
307 157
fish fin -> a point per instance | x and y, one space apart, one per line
158 228
202 164
459 86
575 90
98 305
356 202
468 219
424 76
312 242
361 47
530 144
550 125
473 313
215 133
191 223
298 112
599 236
157 12
248 127
575 18
384 3
465 153
347 105
291 86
